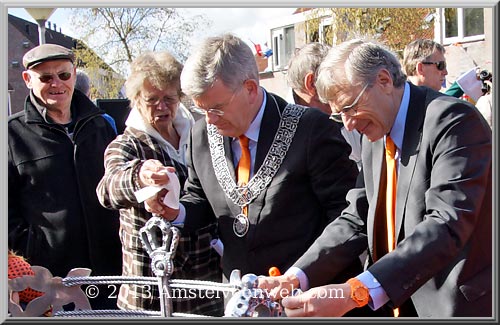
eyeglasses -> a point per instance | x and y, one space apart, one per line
214 111
47 78
202 111
348 110
440 65
167 100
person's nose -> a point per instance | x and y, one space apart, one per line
162 106
349 122
55 82
211 118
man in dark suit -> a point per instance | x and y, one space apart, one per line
300 169
440 264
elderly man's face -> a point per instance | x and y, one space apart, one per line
230 111
53 83
373 113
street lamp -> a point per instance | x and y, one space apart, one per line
41 15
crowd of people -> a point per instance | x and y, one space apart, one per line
371 182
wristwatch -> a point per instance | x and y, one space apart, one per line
359 292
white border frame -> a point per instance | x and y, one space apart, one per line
5 4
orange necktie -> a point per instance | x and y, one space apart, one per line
244 165
390 153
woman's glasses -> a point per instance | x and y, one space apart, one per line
47 78
440 65
167 100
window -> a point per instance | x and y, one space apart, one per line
463 24
326 31
283 45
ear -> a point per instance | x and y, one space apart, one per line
309 84
384 80
419 69
27 79
251 91
251 87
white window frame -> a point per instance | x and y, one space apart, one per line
278 39
324 23
460 24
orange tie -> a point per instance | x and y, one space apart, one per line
390 153
244 165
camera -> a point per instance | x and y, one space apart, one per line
485 75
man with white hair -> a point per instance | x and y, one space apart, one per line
425 204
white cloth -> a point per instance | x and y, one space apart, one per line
470 84
485 106
353 138
171 199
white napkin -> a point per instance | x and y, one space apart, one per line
171 199
470 84
218 246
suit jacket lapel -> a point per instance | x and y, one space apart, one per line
268 128
377 151
411 145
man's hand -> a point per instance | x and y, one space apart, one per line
279 286
327 301
156 206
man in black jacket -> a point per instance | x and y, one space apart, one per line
55 161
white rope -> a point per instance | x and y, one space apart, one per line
174 283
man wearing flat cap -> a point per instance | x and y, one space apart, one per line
55 161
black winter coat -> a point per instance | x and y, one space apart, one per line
55 219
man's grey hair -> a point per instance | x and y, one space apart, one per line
306 59
82 82
355 63
418 51
226 58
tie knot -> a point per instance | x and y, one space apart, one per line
390 147
243 141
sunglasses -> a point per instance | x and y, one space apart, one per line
46 78
440 65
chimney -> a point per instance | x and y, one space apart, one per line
48 23
55 27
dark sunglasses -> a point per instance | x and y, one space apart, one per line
46 78
440 65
